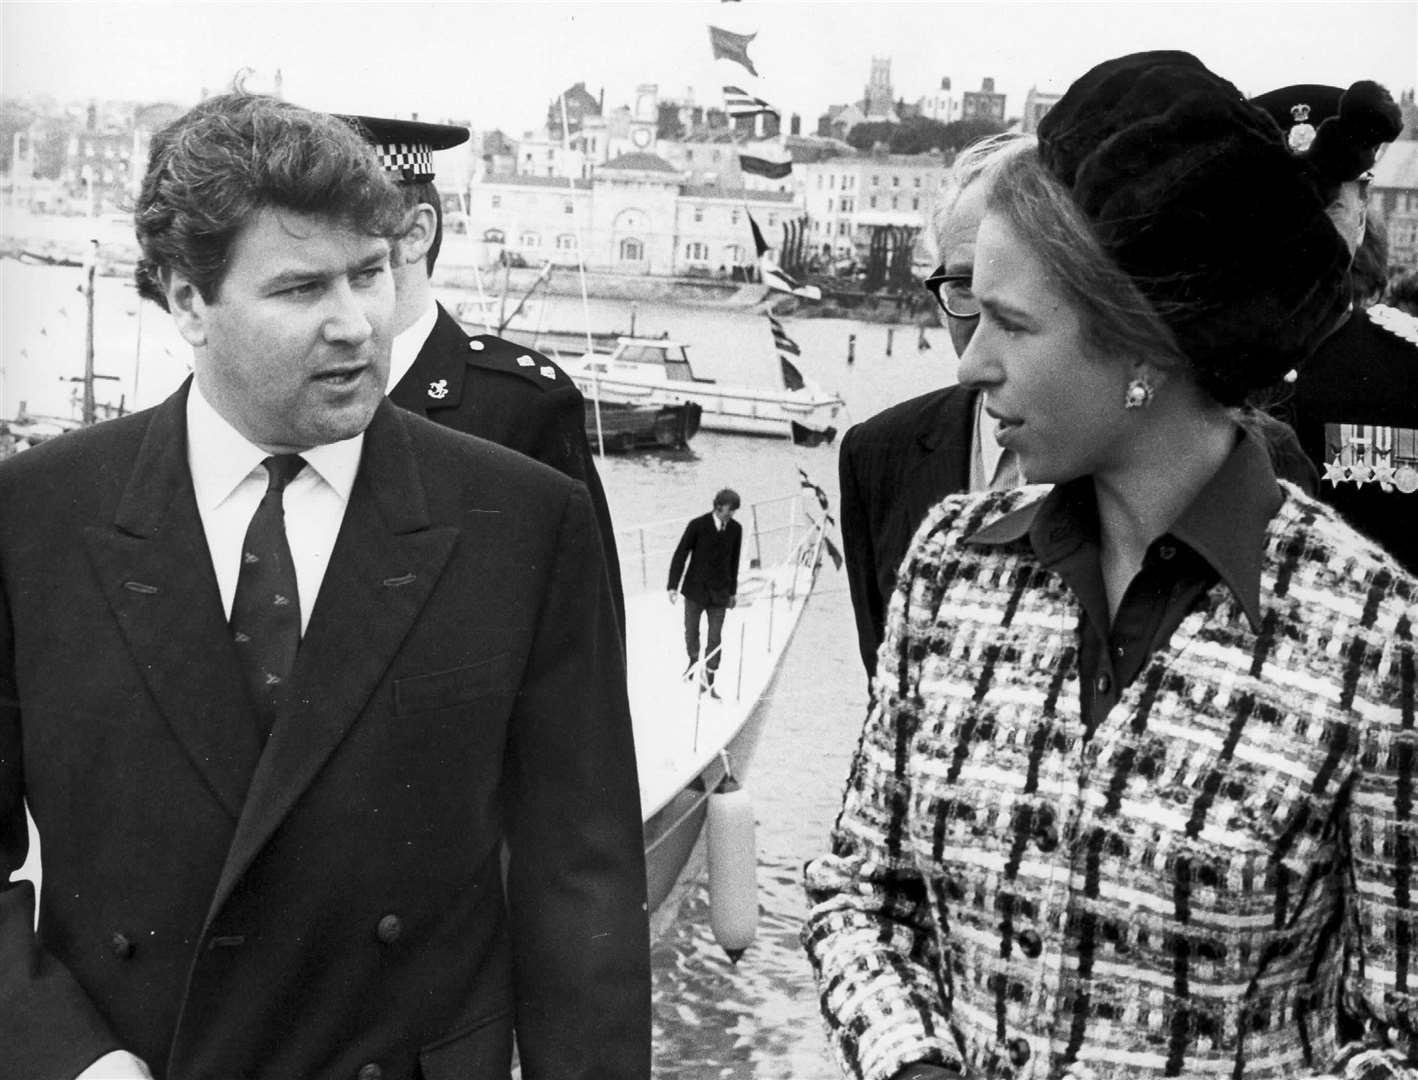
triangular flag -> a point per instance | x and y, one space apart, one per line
792 377
731 46
759 245
773 170
832 552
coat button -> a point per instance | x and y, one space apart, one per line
1030 944
1102 684
1047 838
389 929
1018 1052
121 945
371 1072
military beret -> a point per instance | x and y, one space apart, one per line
405 147
1338 133
1194 194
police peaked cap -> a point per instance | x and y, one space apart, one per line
1337 132
405 147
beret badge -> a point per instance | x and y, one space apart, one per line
1302 132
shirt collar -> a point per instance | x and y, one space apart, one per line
408 343
220 457
1225 524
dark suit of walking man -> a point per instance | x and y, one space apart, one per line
710 585
254 870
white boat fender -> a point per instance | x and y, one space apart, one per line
733 868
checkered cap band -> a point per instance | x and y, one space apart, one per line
411 162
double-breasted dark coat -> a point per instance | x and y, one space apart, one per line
516 397
330 903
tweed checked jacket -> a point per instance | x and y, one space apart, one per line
1217 881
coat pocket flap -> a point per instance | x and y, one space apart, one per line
457 686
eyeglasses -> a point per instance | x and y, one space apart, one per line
952 292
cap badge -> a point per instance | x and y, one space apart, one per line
525 361
548 372
1302 132
438 390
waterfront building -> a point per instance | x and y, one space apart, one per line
847 198
1393 195
940 105
1037 103
637 214
983 104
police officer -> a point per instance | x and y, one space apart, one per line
484 385
1355 402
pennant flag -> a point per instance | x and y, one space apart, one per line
832 552
739 102
792 377
773 170
805 481
781 338
760 247
730 46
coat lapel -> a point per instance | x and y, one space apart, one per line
156 575
382 571
436 379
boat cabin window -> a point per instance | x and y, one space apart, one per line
675 363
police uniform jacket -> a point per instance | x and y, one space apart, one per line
328 903
499 390
1355 410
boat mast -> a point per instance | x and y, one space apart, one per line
581 273
90 266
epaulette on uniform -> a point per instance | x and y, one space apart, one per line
498 354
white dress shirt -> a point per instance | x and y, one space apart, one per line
229 481
992 468
407 344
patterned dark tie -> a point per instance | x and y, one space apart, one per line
265 614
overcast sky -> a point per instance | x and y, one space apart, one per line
499 64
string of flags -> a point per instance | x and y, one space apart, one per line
822 502
774 276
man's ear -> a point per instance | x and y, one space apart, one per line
188 309
413 246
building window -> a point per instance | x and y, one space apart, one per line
915 203
496 202
843 228
772 220
531 240
832 182
689 155
915 181
568 207
873 202
733 217
732 254
819 181
896 181
566 242
631 250
698 214
848 205
696 251
876 181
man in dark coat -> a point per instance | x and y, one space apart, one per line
483 385
389 850
710 585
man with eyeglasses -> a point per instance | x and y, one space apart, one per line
896 465
1355 403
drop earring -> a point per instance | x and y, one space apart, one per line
1139 393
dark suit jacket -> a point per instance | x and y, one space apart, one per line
516 397
334 899
713 575
893 468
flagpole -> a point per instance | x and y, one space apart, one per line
581 273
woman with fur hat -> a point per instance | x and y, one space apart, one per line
1136 796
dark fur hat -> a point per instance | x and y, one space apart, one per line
1192 191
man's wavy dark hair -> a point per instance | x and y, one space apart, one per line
234 155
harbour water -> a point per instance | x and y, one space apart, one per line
713 1019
